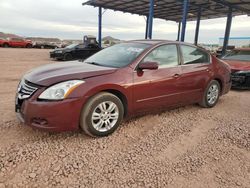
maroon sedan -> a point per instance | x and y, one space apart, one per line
120 81
239 62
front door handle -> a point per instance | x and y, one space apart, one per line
176 76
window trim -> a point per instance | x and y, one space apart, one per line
182 59
157 46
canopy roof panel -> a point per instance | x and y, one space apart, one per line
172 9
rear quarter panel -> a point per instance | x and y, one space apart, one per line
222 72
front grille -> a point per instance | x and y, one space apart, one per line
241 80
238 78
26 89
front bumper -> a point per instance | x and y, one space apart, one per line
56 55
240 81
56 116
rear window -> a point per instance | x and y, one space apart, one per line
193 55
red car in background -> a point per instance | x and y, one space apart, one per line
239 61
16 42
117 82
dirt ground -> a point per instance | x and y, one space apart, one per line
185 147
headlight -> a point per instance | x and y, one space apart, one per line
60 91
58 51
246 72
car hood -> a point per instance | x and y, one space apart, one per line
53 73
60 49
238 65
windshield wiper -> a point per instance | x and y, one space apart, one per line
98 64
94 63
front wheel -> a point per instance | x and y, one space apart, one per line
67 57
211 94
102 115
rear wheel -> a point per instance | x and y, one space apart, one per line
67 57
102 115
6 45
211 94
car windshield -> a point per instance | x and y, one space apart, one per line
239 55
72 46
118 56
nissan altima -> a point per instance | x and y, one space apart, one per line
121 81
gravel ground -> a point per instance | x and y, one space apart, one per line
185 147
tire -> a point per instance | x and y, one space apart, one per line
67 57
6 45
211 95
101 124
29 46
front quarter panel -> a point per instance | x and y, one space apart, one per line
121 81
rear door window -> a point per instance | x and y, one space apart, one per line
193 55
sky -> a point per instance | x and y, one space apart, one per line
68 19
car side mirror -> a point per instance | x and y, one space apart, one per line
148 66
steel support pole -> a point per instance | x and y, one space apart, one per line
150 19
179 31
227 32
100 27
146 32
197 30
184 19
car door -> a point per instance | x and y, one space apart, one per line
93 48
158 88
14 42
80 52
196 73
18 42
22 43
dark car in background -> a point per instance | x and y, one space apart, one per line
121 81
45 45
239 61
75 51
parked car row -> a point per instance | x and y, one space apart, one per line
45 45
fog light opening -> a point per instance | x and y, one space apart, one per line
39 121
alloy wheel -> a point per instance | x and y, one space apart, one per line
105 116
212 94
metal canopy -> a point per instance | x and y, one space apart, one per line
172 9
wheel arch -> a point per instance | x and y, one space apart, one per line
6 43
221 84
121 96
